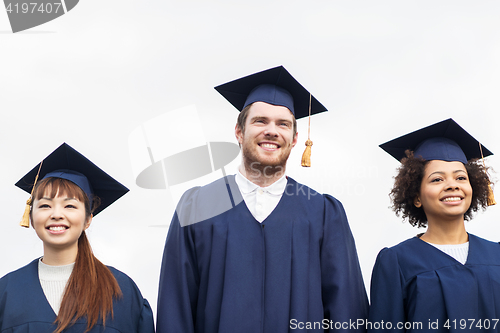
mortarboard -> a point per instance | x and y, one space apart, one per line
67 163
277 87
445 141
273 86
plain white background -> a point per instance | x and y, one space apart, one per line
382 68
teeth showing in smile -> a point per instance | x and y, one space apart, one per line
269 145
450 199
57 228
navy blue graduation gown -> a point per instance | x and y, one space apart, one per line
230 273
24 308
415 282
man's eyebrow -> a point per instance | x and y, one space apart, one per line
259 117
283 120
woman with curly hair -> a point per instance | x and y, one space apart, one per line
444 279
68 289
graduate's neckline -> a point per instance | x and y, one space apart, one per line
419 236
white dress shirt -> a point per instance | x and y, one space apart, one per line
261 201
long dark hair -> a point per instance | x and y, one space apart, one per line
91 287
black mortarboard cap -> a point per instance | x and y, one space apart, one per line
65 162
445 141
273 86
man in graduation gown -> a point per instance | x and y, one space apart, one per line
259 252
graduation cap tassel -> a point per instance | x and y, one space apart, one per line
491 197
25 221
306 156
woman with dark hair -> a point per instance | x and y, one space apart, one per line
69 289
444 279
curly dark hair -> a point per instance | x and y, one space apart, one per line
407 188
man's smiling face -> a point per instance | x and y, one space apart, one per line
268 136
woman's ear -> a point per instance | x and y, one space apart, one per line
417 202
87 224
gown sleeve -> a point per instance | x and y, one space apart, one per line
178 290
146 322
386 294
3 283
343 289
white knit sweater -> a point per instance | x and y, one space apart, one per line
53 280
457 251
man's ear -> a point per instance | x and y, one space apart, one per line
295 138
238 133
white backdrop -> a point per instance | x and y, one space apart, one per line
382 68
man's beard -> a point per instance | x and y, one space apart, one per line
257 166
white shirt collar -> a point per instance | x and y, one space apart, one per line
246 186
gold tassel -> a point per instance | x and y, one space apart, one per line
306 156
491 196
25 221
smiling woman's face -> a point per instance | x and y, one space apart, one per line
445 192
59 217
